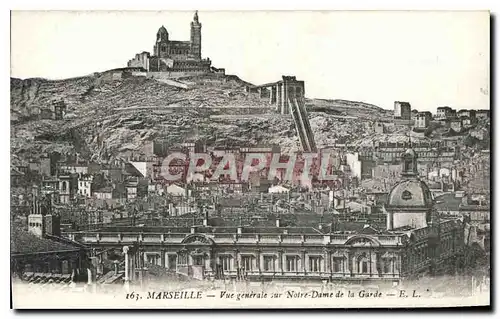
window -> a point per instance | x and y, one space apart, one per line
246 262
292 263
338 263
315 263
226 262
198 260
172 261
183 259
387 267
153 259
363 266
268 263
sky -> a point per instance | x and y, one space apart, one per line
429 59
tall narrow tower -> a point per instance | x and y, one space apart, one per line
196 37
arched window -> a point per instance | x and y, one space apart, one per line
338 264
182 259
363 264
387 265
198 260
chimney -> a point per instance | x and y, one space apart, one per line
36 225
278 222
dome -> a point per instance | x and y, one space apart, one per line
162 34
410 194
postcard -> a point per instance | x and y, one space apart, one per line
250 159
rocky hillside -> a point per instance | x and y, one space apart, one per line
108 117
352 108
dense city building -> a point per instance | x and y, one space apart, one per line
414 240
445 113
422 120
406 195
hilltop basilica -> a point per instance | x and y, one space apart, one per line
176 57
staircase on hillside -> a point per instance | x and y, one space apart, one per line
301 120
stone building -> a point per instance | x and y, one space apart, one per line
175 57
40 256
411 204
423 119
445 113
402 110
415 240
68 187
41 165
466 113
467 122
84 185
428 151
483 114
379 128
456 125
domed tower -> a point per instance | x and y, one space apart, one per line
196 37
410 201
161 48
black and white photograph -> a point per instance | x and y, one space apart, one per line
197 159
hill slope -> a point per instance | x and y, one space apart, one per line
107 118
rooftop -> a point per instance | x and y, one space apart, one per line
447 202
24 242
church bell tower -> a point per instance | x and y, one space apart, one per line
161 48
410 202
196 37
